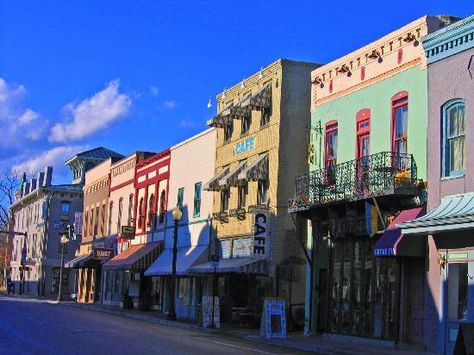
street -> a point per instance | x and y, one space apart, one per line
29 326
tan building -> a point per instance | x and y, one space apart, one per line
261 146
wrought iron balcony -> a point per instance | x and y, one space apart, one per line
379 174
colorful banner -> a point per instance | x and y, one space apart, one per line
371 219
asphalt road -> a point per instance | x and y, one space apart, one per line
36 327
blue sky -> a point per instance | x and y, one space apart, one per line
137 75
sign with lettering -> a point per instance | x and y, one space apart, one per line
260 238
242 247
273 323
245 146
128 232
103 253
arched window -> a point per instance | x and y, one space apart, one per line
111 206
330 152
141 211
119 218
162 206
130 210
86 223
151 211
400 123
453 148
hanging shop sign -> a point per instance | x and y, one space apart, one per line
103 253
260 238
128 232
244 146
78 223
273 323
208 312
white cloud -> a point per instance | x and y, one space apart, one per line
154 91
55 157
170 105
186 123
18 122
92 114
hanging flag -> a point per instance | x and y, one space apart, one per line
371 219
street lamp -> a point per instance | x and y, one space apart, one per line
177 215
64 240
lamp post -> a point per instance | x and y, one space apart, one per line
177 215
64 240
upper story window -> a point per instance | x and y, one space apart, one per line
266 115
162 206
65 207
400 123
197 199
262 192
151 211
119 218
453 149
102 220
180 198
225 196
85 223
96 221
111 207
141 211
228 131
243 192
330 151
130 210
246 122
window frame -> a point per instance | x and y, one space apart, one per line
398 101
224 200
246 122
228 131
63 204
197 199
331 127
263 186
180 198
243 191
446 138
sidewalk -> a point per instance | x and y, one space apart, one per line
318 344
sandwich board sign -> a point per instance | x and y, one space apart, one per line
273 323
208 314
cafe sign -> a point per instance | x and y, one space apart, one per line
244 146
260 238
103 253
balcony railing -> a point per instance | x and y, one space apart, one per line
379 174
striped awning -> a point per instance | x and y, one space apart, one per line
223 118
230 179
455 213
256 170
186 257
261 99
79 262
137 257
213 184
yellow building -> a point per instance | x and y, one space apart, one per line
261 146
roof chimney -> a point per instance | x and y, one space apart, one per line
40 179
48 176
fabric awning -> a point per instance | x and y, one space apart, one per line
394 243
257 170
222 119
137 257
261 99
231 177
80 262
455 213
241 265
213 184
185 259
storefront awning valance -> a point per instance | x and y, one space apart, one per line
394 243
230 178
213 184
222 119
185 259
455 213
261 99
256 170
81 262
137 257
241 265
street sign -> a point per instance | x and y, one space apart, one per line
128 232
103 253
273 323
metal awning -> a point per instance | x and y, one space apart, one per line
240 265
137 257
257 170
185 259
231 177
394 243
222 119
213 184
455 213
80 262
261 99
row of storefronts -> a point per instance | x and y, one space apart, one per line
388 195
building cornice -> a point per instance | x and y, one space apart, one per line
450 40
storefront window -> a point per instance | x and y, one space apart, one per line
457 291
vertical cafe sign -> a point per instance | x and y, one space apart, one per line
260 238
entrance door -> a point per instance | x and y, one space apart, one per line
414 300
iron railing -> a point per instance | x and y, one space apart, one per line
379 174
